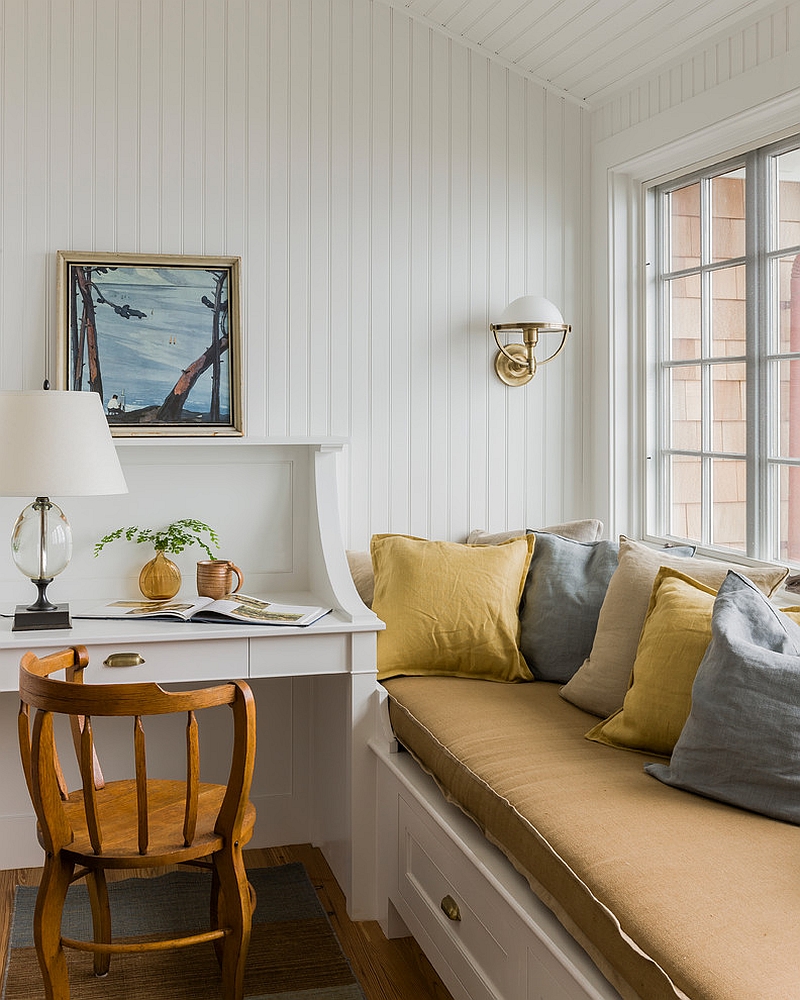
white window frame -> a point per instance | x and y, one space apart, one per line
761 457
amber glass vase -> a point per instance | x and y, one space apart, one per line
160 579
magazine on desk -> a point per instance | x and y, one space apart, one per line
233 608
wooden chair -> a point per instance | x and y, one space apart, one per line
137 822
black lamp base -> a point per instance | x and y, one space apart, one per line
27 618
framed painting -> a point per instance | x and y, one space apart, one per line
157 336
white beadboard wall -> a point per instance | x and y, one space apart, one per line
388 189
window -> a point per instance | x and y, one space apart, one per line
725 429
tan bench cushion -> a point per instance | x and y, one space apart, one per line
672 894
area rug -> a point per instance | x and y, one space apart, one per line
294 953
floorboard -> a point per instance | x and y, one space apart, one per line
387 969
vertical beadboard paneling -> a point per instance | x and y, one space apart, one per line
12 217
355 343
255 207
127 86
342 196
302 226
277 332
101 28
148 129
198 76
320 233
773 36
388 190
443 349
397 434
456 340
219 145
177 125
479 298
34 233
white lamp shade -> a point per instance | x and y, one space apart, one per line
531 309
55 443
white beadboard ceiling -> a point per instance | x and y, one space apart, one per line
589 50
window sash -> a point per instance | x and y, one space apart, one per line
765 459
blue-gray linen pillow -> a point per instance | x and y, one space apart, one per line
741 742
564 591
560 608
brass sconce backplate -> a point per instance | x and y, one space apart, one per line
513 370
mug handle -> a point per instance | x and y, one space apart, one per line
235 569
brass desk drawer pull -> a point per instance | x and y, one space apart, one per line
450 907
123 660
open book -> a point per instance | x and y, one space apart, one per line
235 608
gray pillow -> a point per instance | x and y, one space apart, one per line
564 591
741 742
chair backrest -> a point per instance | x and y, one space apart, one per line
48 697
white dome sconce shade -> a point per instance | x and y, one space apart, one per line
516 363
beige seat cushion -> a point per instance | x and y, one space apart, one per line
680 894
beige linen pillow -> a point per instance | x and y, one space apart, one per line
587 530
599 686
676 632
360 564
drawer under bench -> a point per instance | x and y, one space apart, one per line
475 917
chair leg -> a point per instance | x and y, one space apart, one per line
47 926
217 911
236 900
101 918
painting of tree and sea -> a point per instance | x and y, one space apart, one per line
156 337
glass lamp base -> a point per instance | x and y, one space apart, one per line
34 618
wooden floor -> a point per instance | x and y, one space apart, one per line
387 970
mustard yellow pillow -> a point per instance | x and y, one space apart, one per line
675 635
450 608
599 685
674 639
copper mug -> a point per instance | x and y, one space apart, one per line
215 578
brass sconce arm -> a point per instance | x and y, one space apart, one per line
516 364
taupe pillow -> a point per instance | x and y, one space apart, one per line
599 686
587 530
360 564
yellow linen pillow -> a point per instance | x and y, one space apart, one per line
674 639
676 632
450 608
599 685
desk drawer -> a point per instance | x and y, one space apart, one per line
285 656
171 662
167 662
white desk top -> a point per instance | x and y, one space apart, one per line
86 631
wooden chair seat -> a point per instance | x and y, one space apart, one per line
116 803
135 821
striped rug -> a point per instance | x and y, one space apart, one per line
294 954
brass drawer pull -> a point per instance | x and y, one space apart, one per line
450 907
123 660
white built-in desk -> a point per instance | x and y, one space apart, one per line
315 691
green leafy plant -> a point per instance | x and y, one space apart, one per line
173 539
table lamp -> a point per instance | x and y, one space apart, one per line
52 443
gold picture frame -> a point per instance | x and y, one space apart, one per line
158 336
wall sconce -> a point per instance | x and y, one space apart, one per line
515 363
